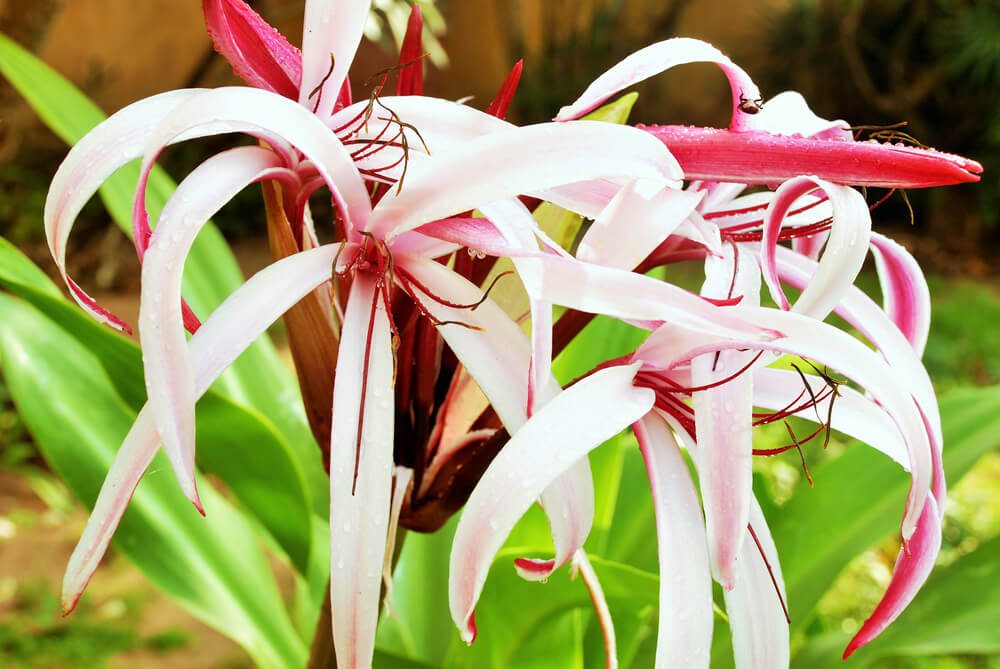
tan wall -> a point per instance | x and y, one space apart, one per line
121 50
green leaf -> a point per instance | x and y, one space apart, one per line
258 378
614 112
515 615
268 479
956 613
213 566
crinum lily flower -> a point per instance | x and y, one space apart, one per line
710 407
391 232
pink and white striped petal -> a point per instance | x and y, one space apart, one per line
505 164
167 366
684 633
658 58
845 252
906 298
282 123
641 216
115 142
332 31
723 419
258 53
560 434
361 466
237 322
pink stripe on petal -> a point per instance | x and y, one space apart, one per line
258 53
658 58
234 325
361 463
684 635
560 434
906 297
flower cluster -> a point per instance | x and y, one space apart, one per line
427 396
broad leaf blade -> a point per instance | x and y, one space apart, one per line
213 566
234 442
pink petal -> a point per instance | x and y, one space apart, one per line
115 142
498 107
581 565
410 79
258 53
168 371
332 31
504 164
361 464
684 636
658 58
723 416
906 297
758 157
845 251
276 119
560 434
641 216
234 325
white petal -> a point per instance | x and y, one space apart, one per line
641 216
331 32
658 58
563 432
684 636
168 370
360 472
505 164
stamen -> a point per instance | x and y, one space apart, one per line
319 86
